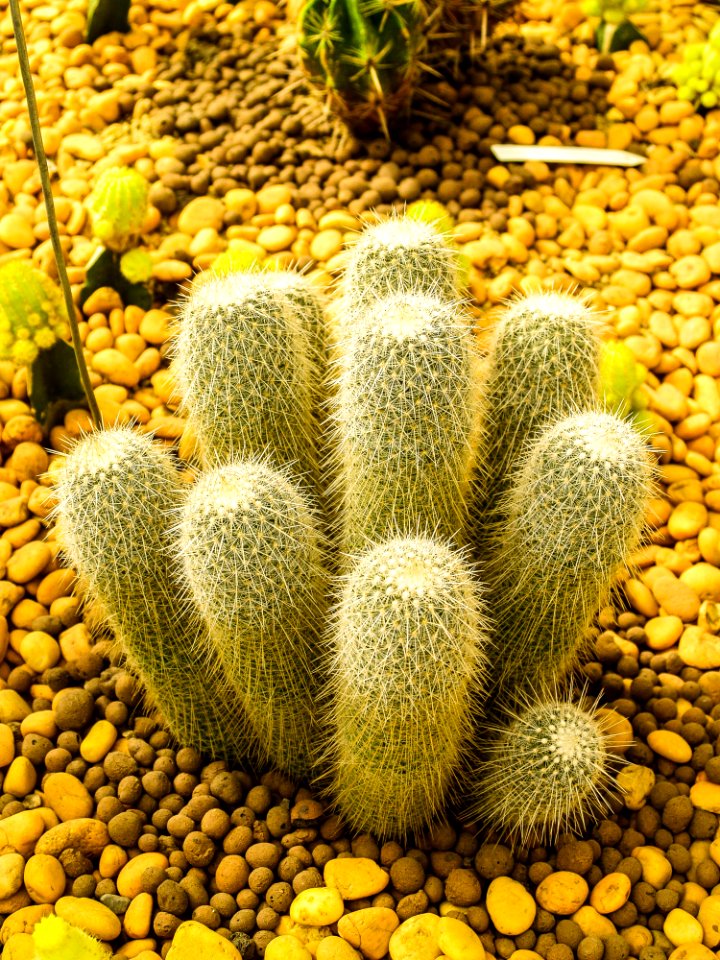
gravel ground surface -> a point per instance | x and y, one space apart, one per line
104 819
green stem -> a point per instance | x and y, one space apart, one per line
41 159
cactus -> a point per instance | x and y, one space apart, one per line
401 255
56 939
363 57
542 365
406 420
118 206
245 373
574 514
32 314
547 770
117 495
407 665
252 558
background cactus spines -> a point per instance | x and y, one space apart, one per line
405 419
244 370
572 516
407 663
400 255
545 771
117 496
252 557
118 206
542 364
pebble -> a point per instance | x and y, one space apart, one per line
334 948
416 938
611 893
681 927
114 365
317 907
12 866
656 868
355 877
705 796
369 930
44 878
458 941
129 880
511 907
287 947
562 892
84 834
67 796
201 213
636 782
193 940
98 742
669 745
698 648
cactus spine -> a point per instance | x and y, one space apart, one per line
547 770
406 420
542 365
573 515
252 558
408 659
244 371
116 497
401 255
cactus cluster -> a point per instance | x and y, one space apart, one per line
697 76
385 559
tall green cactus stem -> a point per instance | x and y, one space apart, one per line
242 358
363 57
118 495
542 365
253 560
400 255
406 416
406 668
545 772
572 517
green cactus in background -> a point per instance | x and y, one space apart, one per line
118 495
401 255
572 516
406 416
545 772
245 372
406 671
118 206
56 939
621 377
543 364
697 76
32 313
364 57
252 557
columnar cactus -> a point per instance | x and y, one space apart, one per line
245 374
406 416
252 559
546 771
543 364
400 255
406 669
572 516
118 495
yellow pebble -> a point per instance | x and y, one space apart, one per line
317 907
511 907
286 948
44 878
24 920
656 868
129 881
334 948
636 782
416 938
709 919
562 892
704 579
7 745
611 893
681 927
20 778
687 520
99 741
12 867
458 941
369 930
670 745
39 650
592 923
28 562
663 632
91 915
705 796
67 796
692 951
195 941
19 946
137 921
355 877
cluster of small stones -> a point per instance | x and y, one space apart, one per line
103 819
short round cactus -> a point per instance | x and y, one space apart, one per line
32 313
406 674
55 939
118 206
546 771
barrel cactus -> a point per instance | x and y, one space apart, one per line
32 313
118 206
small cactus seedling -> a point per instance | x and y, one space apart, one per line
400 255
406 415
406 668
252 558
242 358
56 939
546 771
118 206
542 365
117 494
572 517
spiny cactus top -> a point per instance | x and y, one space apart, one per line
56 939
545 772
400 255
32 313
118 206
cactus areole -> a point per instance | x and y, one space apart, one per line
364 55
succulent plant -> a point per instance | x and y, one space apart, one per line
32 313
406 415
621 377
251 552
572 516
118 206
364 57
545 771
697 76
406 672
56 939
615 31
118 496
243 360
